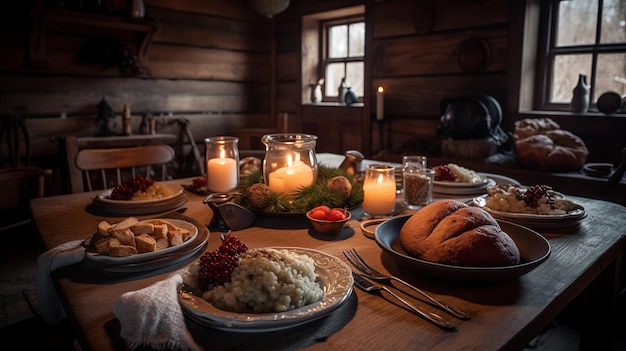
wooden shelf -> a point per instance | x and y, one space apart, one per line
41 17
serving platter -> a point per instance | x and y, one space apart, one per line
534 250
334 276
147 256
536 221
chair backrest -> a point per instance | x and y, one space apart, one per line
98 165
250 138
19 185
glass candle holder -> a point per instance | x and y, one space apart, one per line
222 163
290 162
379 190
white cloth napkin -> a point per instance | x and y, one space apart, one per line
60 256
153 317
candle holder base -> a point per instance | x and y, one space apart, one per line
228 215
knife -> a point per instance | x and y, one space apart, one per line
369 287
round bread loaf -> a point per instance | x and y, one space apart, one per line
541 144
450 232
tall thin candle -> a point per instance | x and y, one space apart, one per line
380 103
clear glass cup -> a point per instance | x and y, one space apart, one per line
418 186
290 162
379 190
222 163
413 161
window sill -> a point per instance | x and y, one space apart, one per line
566 114
332 104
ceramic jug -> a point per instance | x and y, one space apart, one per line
580 97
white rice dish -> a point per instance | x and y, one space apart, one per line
508 200
464 175
266 281
154 192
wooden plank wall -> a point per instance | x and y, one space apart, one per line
209 62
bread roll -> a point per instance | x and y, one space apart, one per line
541 144
450 232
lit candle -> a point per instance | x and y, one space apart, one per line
289 179
221 174
380 104
379 195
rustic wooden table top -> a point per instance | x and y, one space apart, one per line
505 315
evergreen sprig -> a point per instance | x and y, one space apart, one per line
305 198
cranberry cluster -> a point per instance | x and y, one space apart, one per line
534 193
217 266
443 173
127 189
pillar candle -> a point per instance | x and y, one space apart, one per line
380 104
379 196
289 179
221 175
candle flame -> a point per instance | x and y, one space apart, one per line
222 153
289 161
381 90
381 179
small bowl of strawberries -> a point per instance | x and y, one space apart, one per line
326 220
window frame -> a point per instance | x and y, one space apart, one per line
324 60
547 52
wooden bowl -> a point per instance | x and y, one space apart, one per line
329 227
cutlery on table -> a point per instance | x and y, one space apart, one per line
369 271
369 287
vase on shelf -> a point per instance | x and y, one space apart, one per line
350 97
341 90
580 97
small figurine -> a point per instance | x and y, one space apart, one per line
126 120
105 113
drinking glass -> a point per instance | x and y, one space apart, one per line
418 186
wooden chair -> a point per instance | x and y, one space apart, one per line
109 167
250 138
19 185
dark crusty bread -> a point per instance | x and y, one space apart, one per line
450 232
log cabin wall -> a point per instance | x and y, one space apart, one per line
224 67
206 61
422 52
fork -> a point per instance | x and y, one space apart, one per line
376 289
370 272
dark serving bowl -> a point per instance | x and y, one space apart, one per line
534 250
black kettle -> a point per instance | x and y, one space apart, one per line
469 117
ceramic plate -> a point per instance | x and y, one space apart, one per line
445 184
173 190
571 218
534 250
147 256
465 189
141 209
334 276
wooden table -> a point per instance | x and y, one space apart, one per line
506 316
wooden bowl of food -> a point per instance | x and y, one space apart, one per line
327 220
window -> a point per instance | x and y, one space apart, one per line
581 37
343 55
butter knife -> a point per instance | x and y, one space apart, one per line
369 287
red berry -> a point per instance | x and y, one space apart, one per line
217 266
199 182
126 190
443 173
